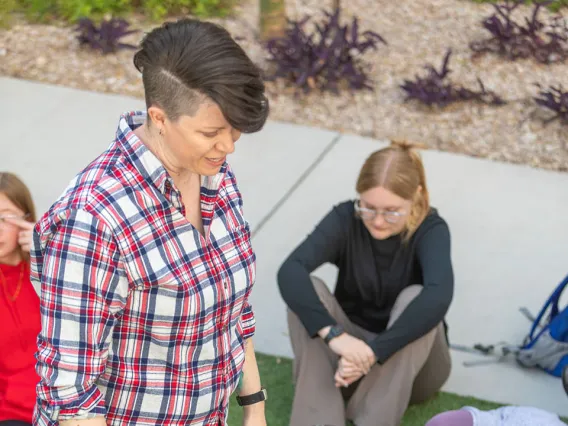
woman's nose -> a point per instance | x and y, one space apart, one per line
379 220
227 144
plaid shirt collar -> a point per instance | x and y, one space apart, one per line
147 164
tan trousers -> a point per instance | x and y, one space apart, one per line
412 375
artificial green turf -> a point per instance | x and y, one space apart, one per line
276 374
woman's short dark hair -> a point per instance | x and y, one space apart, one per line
182 62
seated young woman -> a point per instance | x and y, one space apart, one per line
378 342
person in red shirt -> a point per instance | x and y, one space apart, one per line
20 320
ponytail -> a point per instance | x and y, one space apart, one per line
405 145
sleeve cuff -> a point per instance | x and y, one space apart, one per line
316 323
91 404
382 353
248 322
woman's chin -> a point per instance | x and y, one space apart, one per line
381 234
209 171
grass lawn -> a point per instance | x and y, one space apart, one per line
276 376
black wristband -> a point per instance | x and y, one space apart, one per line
254 398
334 331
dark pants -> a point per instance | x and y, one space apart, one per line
14 423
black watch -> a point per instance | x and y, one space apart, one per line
254 398
334 331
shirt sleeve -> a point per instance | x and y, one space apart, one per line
429 308
248 321
77 268
322 246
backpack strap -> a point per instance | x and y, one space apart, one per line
552 302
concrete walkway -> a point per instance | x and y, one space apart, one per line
508 223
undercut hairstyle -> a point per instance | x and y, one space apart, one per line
187 62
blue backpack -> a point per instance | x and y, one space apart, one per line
546 346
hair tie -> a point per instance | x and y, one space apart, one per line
407 145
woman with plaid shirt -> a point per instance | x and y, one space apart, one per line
145 262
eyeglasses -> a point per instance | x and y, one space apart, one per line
3 218
369 214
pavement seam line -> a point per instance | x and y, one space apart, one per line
296 184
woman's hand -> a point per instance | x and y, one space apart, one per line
354 350
348 369
347 373
25 236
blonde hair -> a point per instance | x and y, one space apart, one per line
399 169
18 193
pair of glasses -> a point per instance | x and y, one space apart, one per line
3 218
369 214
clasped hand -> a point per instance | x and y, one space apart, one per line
356 358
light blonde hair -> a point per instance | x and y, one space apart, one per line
18 193
399 169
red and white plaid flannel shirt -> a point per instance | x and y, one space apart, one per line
143 319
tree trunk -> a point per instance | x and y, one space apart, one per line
272 19
336 4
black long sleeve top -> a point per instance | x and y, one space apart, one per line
372 273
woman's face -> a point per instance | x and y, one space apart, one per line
384 213
9 247
198 143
